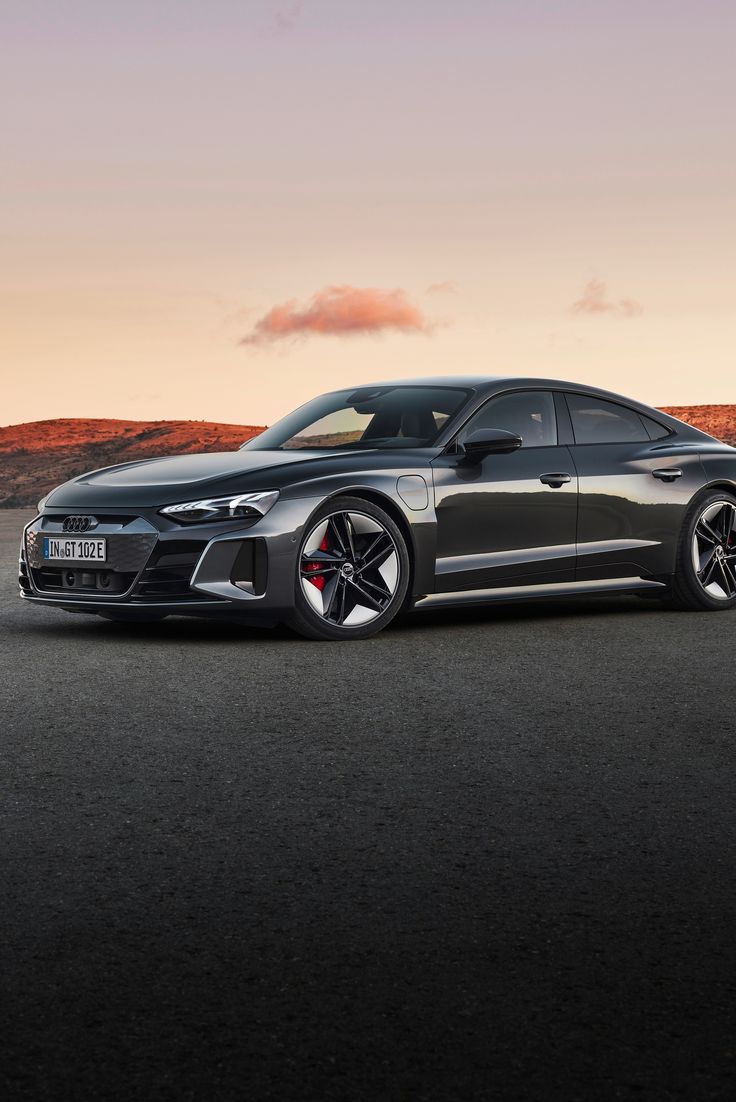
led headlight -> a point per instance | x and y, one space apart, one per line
232 507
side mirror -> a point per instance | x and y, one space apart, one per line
485 442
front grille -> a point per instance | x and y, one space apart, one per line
130 541
141 567
127 550
133 558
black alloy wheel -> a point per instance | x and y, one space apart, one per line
353 572
706 568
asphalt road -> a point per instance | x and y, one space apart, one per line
488 854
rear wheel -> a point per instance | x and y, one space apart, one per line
352 572
705 578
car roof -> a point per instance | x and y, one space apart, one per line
467 381
486 385
491 383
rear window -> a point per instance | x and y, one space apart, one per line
595 421
655 430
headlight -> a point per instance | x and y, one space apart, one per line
42 503
232 507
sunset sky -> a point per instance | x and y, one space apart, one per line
216 209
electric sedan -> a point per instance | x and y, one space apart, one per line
379 499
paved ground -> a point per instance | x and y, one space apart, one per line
486 855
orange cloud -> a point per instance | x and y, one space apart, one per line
594 301
340 311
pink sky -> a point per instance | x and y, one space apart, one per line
547 188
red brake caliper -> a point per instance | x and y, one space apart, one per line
310 566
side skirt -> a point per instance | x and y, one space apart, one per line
522 592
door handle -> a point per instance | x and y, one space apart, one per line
667 474
556 480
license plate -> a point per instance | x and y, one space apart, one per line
81 550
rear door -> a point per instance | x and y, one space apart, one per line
507 520
632 498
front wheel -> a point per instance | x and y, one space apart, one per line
352 572
706 563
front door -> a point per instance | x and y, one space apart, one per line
507 520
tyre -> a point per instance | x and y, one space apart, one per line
352 572
705 574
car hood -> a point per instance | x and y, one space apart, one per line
174 478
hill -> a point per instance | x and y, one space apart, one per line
719 421
37 456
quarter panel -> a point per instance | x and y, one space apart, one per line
719 464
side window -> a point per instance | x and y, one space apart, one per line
595 421
530 413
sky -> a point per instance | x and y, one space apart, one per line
214 209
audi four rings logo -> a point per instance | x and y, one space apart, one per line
79 524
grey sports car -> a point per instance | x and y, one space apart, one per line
396 496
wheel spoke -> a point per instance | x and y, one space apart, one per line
705 532
707 560
321 571
729 577
368 551
726 519
337 533
731 567
378 558
707 571
323 556
344 531
336 597
366 598
381 589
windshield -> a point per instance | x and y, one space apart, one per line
372 417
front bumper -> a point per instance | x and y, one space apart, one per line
229 569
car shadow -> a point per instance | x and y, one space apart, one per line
178 629
528 610
174 629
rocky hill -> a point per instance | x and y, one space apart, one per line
719 421
39 455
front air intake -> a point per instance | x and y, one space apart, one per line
169 571
250 569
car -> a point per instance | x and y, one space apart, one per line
381 499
